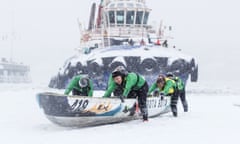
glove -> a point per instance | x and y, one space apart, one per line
161 94
121 98
156 93
162 97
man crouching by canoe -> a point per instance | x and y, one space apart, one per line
80 85
129 82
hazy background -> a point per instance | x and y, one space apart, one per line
46 33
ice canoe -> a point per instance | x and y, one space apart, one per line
82 111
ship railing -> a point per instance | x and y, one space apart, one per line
17 67
14 79
142 1
120 32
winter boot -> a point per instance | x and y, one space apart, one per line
185 106
144 112
145 118
185 109
175 114
174 110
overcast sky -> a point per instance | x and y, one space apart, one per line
46 32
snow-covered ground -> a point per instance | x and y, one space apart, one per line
214 117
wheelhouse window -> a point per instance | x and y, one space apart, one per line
139 17
130 17
111 17
120 17
145 20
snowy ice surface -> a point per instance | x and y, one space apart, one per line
214 117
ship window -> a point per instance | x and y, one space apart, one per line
130 17
111 17
139 17
145 18
120 17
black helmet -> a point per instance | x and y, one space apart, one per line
119 71
83 82
170 74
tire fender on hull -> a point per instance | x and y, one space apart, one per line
149 66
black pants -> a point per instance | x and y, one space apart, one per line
79 93
182 95
141 94
142 100
173 103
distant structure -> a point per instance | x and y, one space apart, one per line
12 72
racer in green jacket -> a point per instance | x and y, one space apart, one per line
166 87
129 82
180 90
80 85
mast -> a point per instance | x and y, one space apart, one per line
92 17
12 33
99 18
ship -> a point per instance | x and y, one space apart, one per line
13 72
118 33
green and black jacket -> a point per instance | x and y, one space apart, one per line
132 81
168 89
74 84
179 83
